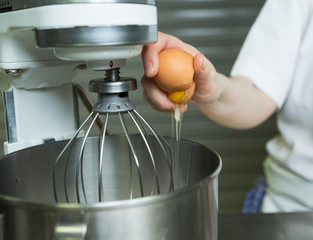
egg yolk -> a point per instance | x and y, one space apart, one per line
176 97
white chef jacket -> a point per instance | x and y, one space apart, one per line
277 56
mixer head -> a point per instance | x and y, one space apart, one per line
34 31
42 45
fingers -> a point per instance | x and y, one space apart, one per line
150 55
150 52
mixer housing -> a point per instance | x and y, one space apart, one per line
43 43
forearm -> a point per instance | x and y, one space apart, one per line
240 104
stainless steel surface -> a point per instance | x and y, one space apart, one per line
278 226
12 5
71 226
96 36
27 199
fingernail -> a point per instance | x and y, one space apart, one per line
204 63
149 69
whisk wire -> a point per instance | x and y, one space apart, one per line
68 145
149 151
103 134
122 120
131 176
131 173
150 144
167 154
79 166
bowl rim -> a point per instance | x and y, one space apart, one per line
127 203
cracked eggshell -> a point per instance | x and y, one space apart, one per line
175 70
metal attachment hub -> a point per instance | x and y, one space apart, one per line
113 92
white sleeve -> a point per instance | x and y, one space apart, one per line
269 54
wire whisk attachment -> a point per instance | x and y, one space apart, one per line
113 167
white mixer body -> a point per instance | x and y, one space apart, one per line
19 48
41 45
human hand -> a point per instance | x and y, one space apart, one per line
204 75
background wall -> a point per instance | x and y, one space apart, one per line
217 28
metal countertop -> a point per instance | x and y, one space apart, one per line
278 226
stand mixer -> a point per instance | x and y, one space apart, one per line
42 46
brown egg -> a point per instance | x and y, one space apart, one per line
175 74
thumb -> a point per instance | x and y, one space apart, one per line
203 68
204 76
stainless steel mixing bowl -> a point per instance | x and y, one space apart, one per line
28 210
